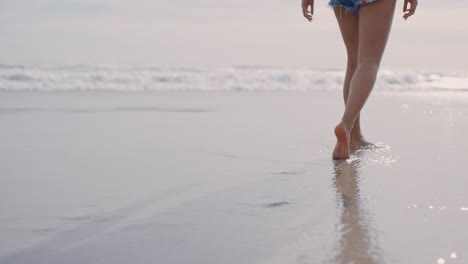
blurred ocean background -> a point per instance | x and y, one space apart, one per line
140 77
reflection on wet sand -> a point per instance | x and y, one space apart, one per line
356 242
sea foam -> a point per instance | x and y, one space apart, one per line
237 78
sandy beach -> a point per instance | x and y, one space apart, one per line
230 177
202 132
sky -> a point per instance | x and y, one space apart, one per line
218 33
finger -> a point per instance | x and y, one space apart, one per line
405 6
413 7
410 13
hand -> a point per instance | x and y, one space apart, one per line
409 11
305 9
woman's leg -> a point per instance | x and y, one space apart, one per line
374 23
348 23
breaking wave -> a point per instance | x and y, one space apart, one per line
237 78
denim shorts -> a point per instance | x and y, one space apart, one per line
349 5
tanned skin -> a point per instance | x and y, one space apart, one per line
365 34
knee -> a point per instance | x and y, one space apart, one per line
352 61
352 65
371 65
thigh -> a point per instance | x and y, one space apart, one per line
348 23
375 21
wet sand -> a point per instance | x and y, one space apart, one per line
226 177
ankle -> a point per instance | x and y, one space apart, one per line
347 125
356 136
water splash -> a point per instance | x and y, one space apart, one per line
377 154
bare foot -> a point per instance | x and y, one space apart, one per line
359 142
341 150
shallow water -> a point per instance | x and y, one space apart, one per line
229 178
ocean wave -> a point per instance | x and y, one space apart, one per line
111 77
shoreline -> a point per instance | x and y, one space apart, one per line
251 180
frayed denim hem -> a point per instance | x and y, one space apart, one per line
349 5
